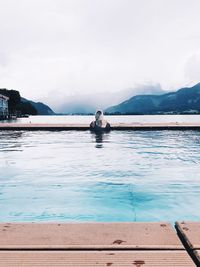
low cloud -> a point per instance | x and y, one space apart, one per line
79 103
192 68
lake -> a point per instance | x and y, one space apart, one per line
111 119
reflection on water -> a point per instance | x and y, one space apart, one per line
10 141
135 176
100 138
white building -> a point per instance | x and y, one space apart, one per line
3 106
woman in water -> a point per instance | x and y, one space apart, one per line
99 124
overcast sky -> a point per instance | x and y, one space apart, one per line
83 46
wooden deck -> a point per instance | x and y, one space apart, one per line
91 244
189 233
89 236
84 127
97 258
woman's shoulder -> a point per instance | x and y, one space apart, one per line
92 124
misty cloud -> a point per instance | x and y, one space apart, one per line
192 68
69 47
89 103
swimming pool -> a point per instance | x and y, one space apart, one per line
79 176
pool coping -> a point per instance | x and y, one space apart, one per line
85 127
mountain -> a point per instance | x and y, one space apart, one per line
85 104
21 106
15 104
185 100
41 108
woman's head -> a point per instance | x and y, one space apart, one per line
99 115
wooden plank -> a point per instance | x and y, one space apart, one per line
189 233
196 256
88 236
90 259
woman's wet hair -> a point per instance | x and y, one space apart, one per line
99 115
99 112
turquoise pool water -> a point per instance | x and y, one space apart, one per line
120 176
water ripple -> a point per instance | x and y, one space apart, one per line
119 176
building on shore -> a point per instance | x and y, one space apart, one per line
4 113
